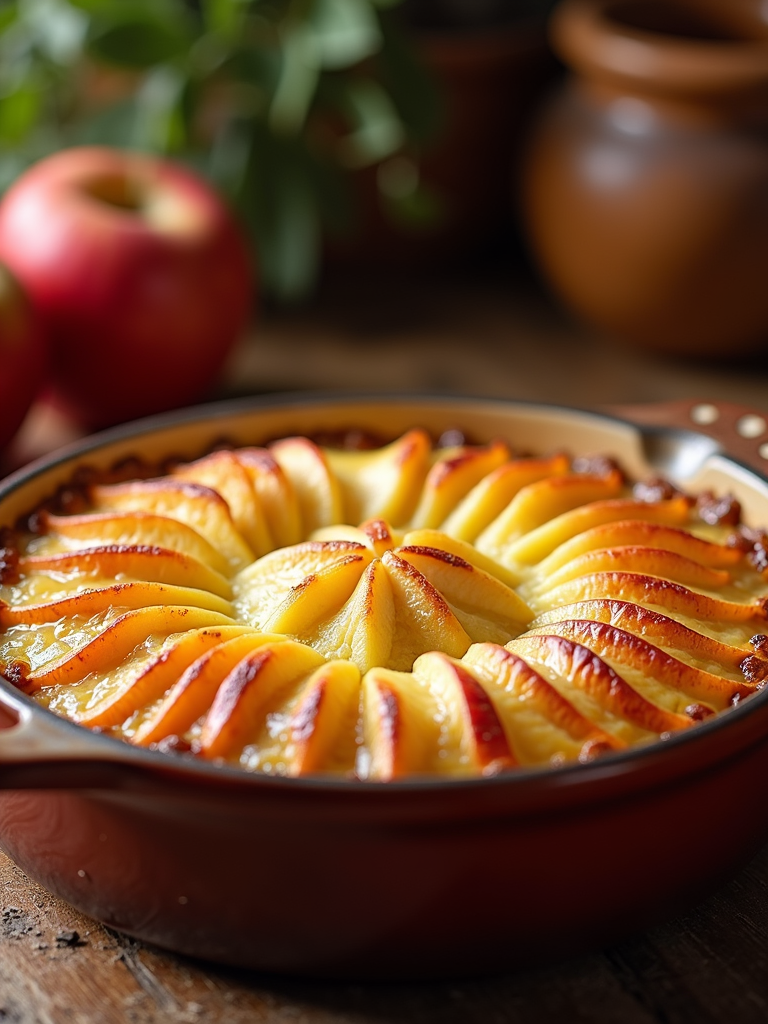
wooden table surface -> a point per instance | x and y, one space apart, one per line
490 330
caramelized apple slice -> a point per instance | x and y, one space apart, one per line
423 619
649 669
453 475
261 587
321 730
385 483
649 561
436 719
194 690
317 597
666 632
540 724
197 506
542 540
585 671
363 629
156 676
493 493
486 608
118 638
668 597
134 528
636 532
541 502
314 484
246 694
121 595
460 548
472 720
402 725
223 473
141 562
274 493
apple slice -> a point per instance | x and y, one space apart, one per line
363 629
322 727
196 506
648 561
317 597
193 692
659 676
636 532
86 603
473 727
540 502
223 472
493 493
274 493
540 724
316 488
739 661
423 620
282 578
139 528
608 695
378 535
453 475
273 576
485 607
384 483
666 596
249 690
118 638
462 549
136 561
541 541
402 726
150 680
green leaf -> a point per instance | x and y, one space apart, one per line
378 130
139 42
224 16
345 31
8 16
160 123
19 111
410 85
58 28
280 206
297 83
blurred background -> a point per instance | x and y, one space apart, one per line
560 201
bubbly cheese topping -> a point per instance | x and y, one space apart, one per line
406 610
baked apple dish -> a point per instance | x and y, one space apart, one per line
415 608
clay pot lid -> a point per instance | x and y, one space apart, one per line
686 48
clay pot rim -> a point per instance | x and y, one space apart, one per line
589 38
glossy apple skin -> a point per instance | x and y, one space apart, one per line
22 355
139 272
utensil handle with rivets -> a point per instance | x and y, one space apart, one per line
741 432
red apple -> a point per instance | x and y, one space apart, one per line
21 355
139 272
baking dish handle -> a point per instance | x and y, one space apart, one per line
40 751
741 432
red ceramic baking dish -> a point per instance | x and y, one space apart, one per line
420 878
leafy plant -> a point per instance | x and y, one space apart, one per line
278 102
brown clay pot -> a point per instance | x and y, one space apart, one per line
645 189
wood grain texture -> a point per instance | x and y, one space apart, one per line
705 968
